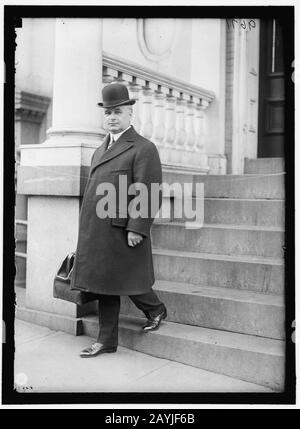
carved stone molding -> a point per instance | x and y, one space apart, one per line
30 107
141 73
149 30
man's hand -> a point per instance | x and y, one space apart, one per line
133 238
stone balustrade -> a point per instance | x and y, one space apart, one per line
168 111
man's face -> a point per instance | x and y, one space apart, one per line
117 119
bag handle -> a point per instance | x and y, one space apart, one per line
67 263
70 257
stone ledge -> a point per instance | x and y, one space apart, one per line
29 106
217 164
225 309
52 321
184 169
52 180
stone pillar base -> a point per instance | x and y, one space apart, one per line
183 160
217 164
53 177
56 322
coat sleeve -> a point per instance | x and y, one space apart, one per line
146 170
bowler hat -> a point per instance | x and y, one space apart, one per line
114 95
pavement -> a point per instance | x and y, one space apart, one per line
48 361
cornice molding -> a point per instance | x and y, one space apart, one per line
29 106
148 75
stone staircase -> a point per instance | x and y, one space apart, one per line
223 284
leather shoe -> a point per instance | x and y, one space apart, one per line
96 349
154 322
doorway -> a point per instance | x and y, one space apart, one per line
271 132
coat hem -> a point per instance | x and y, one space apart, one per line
115 293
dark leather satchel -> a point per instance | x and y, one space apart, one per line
62 284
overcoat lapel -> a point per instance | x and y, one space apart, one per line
99 152
124 143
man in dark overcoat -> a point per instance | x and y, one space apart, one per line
113 254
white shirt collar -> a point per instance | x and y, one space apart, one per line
118 135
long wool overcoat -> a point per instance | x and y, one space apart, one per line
104 262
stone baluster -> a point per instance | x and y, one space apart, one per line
134 92
190 125
158 117
146 119
106 76
199 118
170 120
119 78
180 123
204 106
201 126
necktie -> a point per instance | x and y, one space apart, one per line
112 141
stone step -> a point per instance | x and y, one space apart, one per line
264 165
265 275
269 186
250 358
241 212
219 308
21 232
171 177
250 186
222 239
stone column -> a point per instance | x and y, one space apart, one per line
53 174
77 79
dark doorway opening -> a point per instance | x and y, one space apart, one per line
271 127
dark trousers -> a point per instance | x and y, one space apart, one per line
109 309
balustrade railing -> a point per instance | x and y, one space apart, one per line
168 111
